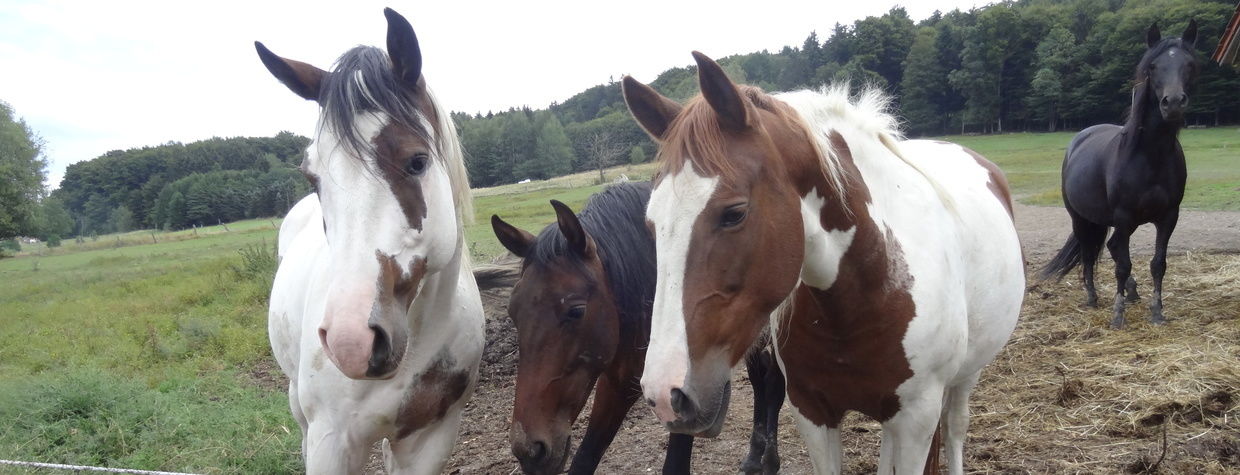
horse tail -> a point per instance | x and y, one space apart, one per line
503 271
1069 257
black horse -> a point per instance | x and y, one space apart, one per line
1125 176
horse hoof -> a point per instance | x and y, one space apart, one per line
1092 303
1117 324
1158 320
1133 297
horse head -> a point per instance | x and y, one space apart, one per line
1168 68
727 224
384 165
568 331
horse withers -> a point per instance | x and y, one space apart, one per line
582 312
374 314
1123 176
892 267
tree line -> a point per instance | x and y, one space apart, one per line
1028 65
169 186
1032 65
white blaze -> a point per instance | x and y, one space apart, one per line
675 205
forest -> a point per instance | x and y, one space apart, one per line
1036 65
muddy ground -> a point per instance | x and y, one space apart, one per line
1066 395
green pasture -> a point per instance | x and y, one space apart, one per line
1032 161
149 350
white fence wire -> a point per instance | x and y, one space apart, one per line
81 468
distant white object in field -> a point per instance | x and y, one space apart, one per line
622 178
522 182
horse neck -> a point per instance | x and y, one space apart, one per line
436 303
1148 129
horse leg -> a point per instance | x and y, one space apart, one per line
426 450
774 400
612 400
826 453
768 389
1158 265
910 433
294 404
955 423
1131 288
757 438
1118 245
332 448
679 452
1090 236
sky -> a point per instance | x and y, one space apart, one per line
94 76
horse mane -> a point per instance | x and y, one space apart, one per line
695 137
616 219
1136 110
866 114
362 82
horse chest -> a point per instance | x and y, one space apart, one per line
430 396
845 355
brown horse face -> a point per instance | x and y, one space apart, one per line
729 238
568 332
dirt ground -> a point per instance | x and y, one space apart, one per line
1066 395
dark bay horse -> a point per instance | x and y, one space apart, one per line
582 310
892 266
1124 176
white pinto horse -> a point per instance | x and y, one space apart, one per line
893 267
375 316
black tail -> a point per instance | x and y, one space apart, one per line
503 271
1069 257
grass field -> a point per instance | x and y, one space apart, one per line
1032 161
149 350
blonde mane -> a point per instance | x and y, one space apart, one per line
452 157
833 109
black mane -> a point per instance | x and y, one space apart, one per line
616 219
363 81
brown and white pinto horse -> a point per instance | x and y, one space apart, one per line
894 265
374 314
582 310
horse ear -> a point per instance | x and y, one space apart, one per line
402 45
517 241
1190 33
578 240
653 111
303 79
721 94
1152 35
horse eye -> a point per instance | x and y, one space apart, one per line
733 215
417 164
575 312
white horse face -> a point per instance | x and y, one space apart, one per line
389 217
389 220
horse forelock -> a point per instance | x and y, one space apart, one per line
362 82
615 219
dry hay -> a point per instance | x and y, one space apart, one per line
1070 395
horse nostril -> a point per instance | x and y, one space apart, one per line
540 451
1183 99
1166 101
681 403
380 351
650 402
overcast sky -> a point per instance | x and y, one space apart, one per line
94 76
